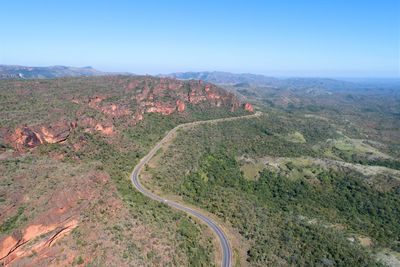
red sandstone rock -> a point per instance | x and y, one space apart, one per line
115 110
249 107
55 133
91 125
106 130
180 105
24 137
30 137
155 97
158 107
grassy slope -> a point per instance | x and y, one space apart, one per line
273 213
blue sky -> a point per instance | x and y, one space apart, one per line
341 38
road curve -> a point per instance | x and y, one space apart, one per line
223 239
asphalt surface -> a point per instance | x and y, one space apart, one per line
223 239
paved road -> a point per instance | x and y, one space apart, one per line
226 248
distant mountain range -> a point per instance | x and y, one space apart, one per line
326 85
241 79
220 77
23 72
235 80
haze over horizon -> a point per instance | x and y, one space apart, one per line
340 39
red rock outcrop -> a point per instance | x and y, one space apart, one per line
180 105
143 95
138 116
32 136
55 133
57 214
158 107
24 137
106 130
112 109
200 92
15 246
91 125
115 110
94 102
153 92
151 95
196 97
249 107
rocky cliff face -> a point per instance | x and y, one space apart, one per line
32 136
166 96
130 103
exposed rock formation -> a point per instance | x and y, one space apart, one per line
90 125
115 110
15 246
57 212
146 95
106 130
249 107
112 109
158 107
29 137
94 102
24 138
180 105
56 132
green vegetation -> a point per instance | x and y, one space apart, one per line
198 249
13 222
296 137
299 215
78 261
390 163
172 238
189 234
253 174
251 170
338 199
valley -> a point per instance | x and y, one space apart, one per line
287 182
310 181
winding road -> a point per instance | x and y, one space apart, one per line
223 239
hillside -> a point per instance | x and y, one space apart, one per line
314 181
67 148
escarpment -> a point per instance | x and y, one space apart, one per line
130 101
